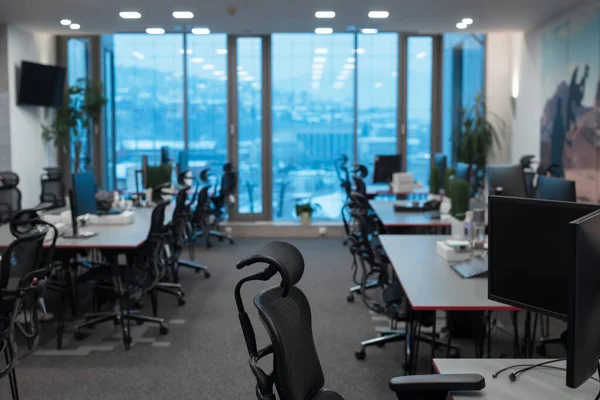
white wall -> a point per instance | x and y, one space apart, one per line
29 153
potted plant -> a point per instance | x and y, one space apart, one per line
305 211
80 112
474 141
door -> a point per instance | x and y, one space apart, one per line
249 125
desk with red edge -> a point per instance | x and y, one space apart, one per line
429 283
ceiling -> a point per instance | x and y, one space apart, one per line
265 16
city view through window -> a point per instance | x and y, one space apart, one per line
312 114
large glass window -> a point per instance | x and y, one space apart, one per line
419 64
148 100
77 67
109 120
463 79
207 102
312 119
377 97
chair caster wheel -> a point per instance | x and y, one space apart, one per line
138 322
180 301
360 355
541 350
78 336
350 298
163 329
206 274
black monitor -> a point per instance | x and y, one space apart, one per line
386 167
583 323
506 180
462 171
550 188
41 85
531 248
440 161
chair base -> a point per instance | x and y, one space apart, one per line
208 234
356 289
174 289
194 266
394 335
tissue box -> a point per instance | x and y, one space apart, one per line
450 254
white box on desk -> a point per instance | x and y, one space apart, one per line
450 254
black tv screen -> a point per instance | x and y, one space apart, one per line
41 85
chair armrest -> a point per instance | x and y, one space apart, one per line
434 387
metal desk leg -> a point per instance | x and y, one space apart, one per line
122 292
433 334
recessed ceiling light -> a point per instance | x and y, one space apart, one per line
321 51
208 66
197 60
65 22
369 31
75 27
325 14
467 21
130 15
200 31
461 25
221 51
319 59
155 31
378 14
323 31
183 14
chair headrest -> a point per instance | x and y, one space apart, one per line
8 179
204 174
284 257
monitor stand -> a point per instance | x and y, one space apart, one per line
76 234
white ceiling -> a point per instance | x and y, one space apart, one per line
264 16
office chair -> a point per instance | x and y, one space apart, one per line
360 172
10 196
550 188
462 171
53 189
141 274
285 313
341 169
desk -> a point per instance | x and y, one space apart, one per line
112 240
397 221
379 189
535 384
431 285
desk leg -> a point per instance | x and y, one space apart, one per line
122 292
433 338
515 322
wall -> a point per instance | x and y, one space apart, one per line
29 153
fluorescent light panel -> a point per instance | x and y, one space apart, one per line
378 14
200 31
461 25
183 14
75 27
467 21
65 22
130 15
369 31
155 31
325 14
323 31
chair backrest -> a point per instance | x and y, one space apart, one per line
550 188
462 171
285 314
228 183
360 185
10 195
53 189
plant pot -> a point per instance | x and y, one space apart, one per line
457 228
305 218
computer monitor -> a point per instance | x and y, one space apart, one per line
531 248
386 167
506 180
440 161
550 188
462 171
583 327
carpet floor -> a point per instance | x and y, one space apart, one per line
204 356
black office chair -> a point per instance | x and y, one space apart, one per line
53 189
285 313
141 274
550 188
10 196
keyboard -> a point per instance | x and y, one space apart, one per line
472 268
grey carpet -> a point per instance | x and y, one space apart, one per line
206 357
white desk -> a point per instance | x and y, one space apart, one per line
429 283
391 219
535 384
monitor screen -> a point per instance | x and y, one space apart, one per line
84 188
531 246
509 178
41 85
583 329
385 167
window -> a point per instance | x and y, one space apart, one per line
312 119
207 102
377 99
109 110
463 76
419 65
77 67
148 100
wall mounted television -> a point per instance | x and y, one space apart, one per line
41 85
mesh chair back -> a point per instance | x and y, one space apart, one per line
360 185
10 195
